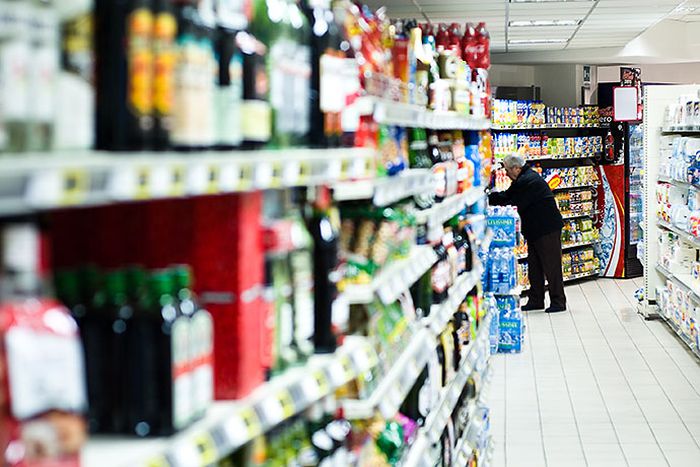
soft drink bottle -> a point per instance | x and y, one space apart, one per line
482 40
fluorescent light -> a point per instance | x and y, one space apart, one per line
683 10
544 22
536 41
548 1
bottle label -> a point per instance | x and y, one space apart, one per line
282 85
229 105
14 80
187 101
165 57
140 63
181 372
257 118
302 82
202 352
332 92
45 371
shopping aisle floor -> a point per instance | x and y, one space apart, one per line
596 386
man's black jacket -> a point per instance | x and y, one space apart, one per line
535 202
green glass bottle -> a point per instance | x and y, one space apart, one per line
200 340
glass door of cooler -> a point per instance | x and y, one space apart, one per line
636 180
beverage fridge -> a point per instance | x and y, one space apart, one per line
620 198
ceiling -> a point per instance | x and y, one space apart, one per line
600 23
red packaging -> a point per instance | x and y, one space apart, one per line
42 385
482 54
455 39
228 264
468 45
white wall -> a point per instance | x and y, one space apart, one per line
512 75
558 84
673 73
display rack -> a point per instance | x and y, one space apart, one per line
441 314
409 115
656 102
385 190
420 454
556 126
576 187
558 158
33 182
572 277
230 424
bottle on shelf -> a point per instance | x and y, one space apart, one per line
164 60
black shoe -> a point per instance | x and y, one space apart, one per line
555 309
529 307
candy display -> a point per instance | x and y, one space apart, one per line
578 231
535 146
570 177
577 262
514 114
574 202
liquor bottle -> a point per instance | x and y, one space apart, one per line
43 68
271 24
324 228
200 342
164 59
301 267
15 61
117 382
124 74
326 97
229 89
279 288
301 73
256 110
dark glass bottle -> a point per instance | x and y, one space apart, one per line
120 314
256 111
325 97
229 90
200 341
164 58
324 229
124 74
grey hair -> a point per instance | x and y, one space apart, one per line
512 161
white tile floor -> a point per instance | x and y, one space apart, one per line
596 386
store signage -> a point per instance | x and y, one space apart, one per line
625 103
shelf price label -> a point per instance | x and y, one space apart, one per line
74 187
142 185
207 449
159 461
241 427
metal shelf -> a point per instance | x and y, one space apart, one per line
685 236
575 187
31 182
569 246
386 190
394 279
397 113
559 158
230 424
676 129
546 126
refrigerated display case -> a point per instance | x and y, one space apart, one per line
620 198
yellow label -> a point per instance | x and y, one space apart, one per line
178 181
246 179
287 403
143 177
276 179
322 382
140 61
344 168
251 422
304 172
207 449
74 187
213 179
347 367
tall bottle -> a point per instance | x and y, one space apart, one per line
326 96
324 228
164 58
200 342
124 74
229 89
256 110
301 73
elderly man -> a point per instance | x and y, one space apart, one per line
541 227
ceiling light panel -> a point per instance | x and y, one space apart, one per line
543 23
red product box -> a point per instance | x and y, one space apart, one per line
228 264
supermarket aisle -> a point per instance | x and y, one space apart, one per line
598 386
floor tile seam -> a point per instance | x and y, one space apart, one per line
658 382
595 377
568 391
612 309
537 392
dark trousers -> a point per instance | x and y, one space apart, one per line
544 261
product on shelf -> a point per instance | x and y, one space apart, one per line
570 177
578 231
685 112
521 113
573 202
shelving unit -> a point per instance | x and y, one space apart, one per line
558 159
419 454
230 424
543 127
385 190
682 281
573 277
576 187
396 278
31 182
409 115
441 314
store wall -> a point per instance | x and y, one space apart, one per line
673 73
512 75
560 84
